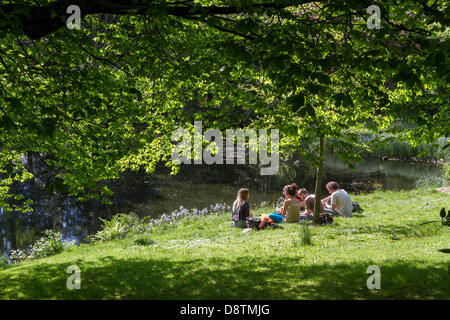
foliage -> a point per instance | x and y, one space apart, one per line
16 256
446 172
443 149
445 221
427 182
107 97
12 172
306 235
91 239
445 217
394 146
122 225
118 227
143 240
3 262
49 244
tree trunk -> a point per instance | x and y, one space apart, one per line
30 165
318 191
11 216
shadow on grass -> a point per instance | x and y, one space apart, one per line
359 214
397 232
246 278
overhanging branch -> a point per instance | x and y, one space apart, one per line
37 22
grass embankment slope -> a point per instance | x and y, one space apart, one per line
206 259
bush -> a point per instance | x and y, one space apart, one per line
443 151
428 182
119 227
393 147
143 240
3 262
16 256
50 244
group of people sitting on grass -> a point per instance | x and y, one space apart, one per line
298 205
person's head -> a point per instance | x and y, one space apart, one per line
332 187
310 203
302 193
242 195
290 190
295 186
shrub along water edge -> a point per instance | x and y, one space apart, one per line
51 243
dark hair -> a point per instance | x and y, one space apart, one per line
295 186
290 189
333 185
302 191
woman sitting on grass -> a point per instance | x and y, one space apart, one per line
241 209
290 212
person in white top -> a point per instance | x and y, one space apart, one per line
339 203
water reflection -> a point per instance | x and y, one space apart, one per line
196 186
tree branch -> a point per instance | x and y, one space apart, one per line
38 21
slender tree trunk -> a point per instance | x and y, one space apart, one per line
318 191
12 229
30 166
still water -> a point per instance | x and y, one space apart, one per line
196 186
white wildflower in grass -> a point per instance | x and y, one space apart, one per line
47 245
181 243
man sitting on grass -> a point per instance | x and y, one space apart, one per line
339 203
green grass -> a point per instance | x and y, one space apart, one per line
204 258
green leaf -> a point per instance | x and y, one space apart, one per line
338 98
308 109
347 101
311 111
323 78
297 101
48 126
135 92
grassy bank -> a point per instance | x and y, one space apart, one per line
394 148
204 258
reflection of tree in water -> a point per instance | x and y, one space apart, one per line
19 230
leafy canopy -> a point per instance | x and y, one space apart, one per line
107 97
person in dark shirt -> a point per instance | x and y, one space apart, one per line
241 208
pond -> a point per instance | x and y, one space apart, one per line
197 186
